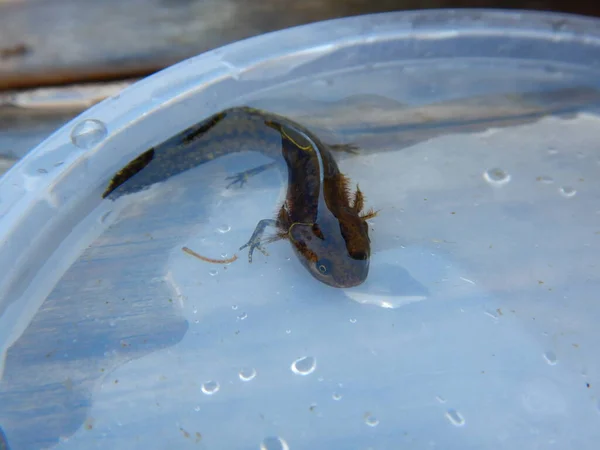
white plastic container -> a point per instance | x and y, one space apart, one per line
476 329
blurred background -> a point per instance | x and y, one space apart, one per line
58 57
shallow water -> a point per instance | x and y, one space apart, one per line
475 329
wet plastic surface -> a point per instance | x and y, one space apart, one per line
477 325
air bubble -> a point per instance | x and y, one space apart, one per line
213 272
210 387
274 443
336 396
247 374
88 133
352 320
304 366
455 418
496 176
567 191
242 316
224 229
550 358
371 420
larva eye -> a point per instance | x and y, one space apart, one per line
323 265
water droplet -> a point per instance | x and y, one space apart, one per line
371 420
304 366
455 418
496 177
211 387
213 272
336 396
234 307
224 229
274 443
247 374
288 331
242 316
567 191
352 320
545 179
88 133
550 358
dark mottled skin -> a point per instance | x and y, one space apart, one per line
322 219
